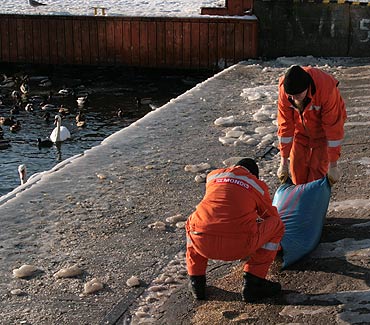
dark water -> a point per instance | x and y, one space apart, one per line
109 89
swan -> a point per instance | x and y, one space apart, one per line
22 171
60 133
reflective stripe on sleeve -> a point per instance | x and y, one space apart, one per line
250 181
271 246
285 139
334 143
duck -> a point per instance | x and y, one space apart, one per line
46 116
4 144
8 82
46 143
66 92
7 120
142 101
120 113
29 107
47 106
81 101
16 95
22 171
60 133
24 88
14 110
45 83
15 127
80 120
63 110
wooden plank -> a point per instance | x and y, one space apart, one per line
61 41
221 45
118 41
68 30
195 49
143 46
254 36
28 39
239 40
126 46
186 44
177 44
53 39
36 40
77 41
102 41
13 51
110 41
4 39
135 42
161 44
85 42
94 47
170 61
45 41
212 45
21 43
248 37
230 44
152 44
203 45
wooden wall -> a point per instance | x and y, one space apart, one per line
189 43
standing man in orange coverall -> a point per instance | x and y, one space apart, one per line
311 116
235 220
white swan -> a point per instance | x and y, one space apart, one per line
22 171
60 133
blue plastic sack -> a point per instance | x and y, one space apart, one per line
302 208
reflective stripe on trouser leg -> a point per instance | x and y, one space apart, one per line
271 230
196 264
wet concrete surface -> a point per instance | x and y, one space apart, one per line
97 211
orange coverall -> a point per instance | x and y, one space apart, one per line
313 138
235 220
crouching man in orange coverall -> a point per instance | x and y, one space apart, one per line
235 220
311 116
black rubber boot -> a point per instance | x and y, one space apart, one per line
255 288
197 286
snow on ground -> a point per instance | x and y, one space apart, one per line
113 7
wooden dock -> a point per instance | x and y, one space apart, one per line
209 42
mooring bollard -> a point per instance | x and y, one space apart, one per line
99 10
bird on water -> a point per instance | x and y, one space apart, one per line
35 3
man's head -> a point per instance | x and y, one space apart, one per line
250 164
296 81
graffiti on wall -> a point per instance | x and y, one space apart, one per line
365 26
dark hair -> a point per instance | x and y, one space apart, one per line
296 80
250 164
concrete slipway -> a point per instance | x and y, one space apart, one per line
116 212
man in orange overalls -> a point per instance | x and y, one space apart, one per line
235 220
311 116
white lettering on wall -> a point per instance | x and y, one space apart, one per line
365 26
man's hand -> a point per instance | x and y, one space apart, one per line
333 173
283 171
